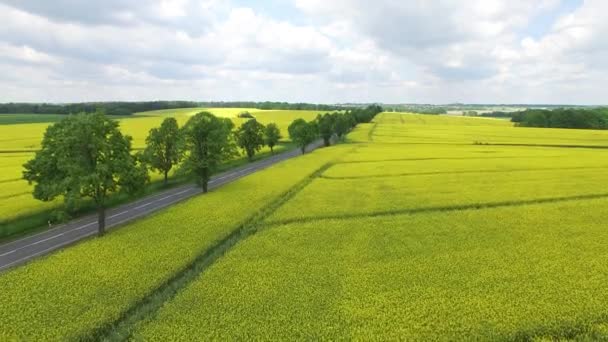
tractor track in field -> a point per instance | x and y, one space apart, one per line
439 158
438 209
370 133
122 329
462 172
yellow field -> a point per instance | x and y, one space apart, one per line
19 141
418 228
428 228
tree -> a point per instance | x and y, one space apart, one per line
303 133
208 142
85 155
250 137
272 135
341 124
325 123
164 147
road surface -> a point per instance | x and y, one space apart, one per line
25 249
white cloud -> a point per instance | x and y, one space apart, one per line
337 51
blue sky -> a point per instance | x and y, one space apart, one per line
541 24
491 51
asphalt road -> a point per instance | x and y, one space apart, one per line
25 249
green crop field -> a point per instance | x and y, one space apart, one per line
418 227
19 141
13 119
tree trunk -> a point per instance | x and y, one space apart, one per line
303 148
101 220
205 180
271 149
326 141
165 182
249 155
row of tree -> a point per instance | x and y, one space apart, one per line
203 143
328 125
595 118
128 108
417 108
87 156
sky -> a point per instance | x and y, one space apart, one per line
387 51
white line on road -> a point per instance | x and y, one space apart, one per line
45 250
91 223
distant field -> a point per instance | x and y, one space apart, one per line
19 141
13 119
418 228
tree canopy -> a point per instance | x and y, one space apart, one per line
209 141
303 133
164 147
82 156
272 135
325 123
250 137
342 124
596 118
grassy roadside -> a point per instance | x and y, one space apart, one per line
37 222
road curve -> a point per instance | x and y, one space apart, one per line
19 251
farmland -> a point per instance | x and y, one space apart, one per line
403 239
19 141
418 227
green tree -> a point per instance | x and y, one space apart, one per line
272 135
250 137
303 133
325 124
164 147
208 142
341 124
81 156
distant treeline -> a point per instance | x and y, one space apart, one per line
595 118
418 109
498 114
128 108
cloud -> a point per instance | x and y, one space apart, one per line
319 51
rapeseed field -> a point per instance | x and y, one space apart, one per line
417 227
403 239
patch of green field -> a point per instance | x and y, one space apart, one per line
13 119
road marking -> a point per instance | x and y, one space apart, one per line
47 239
91 223
44 232
45 250
88 217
